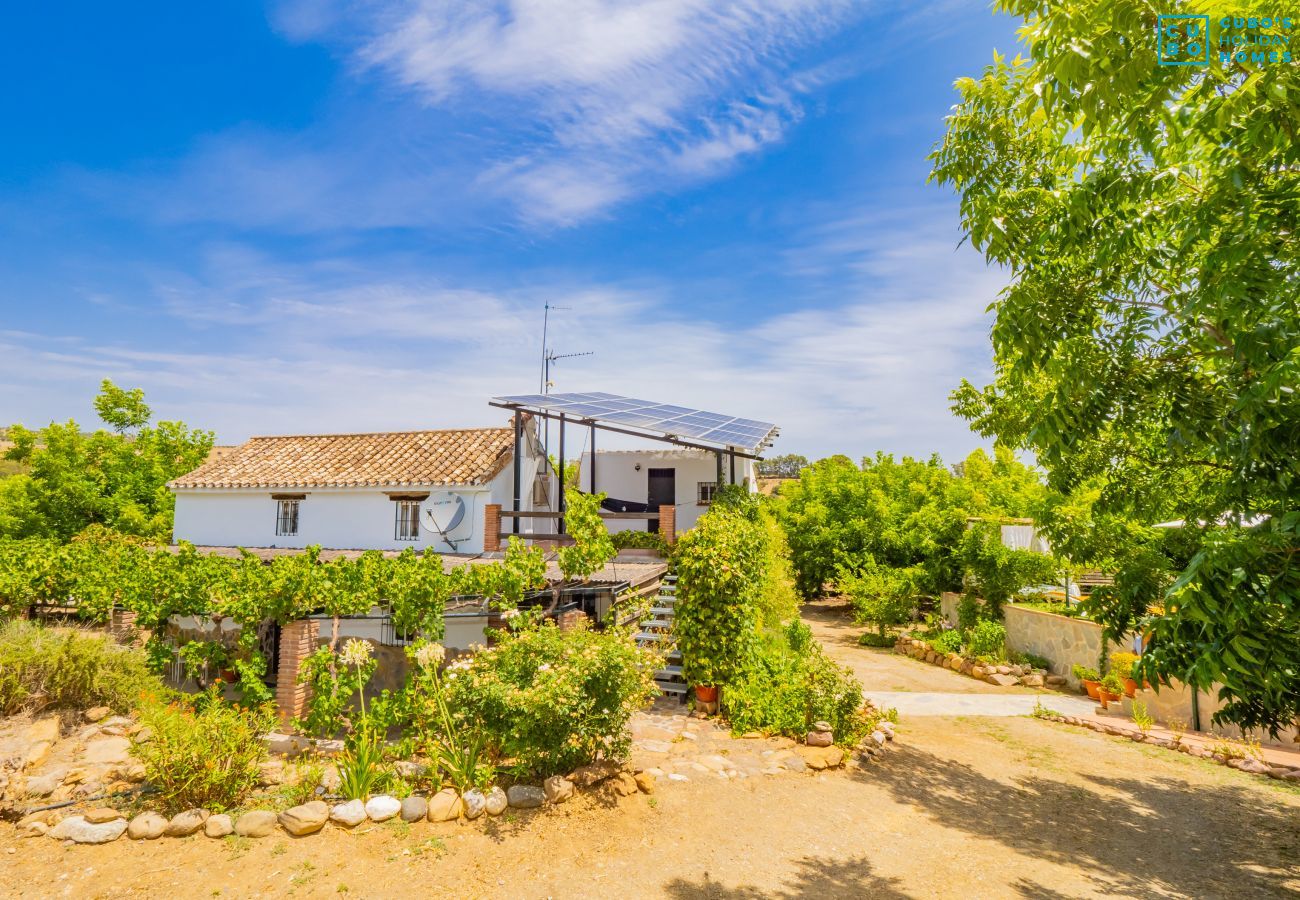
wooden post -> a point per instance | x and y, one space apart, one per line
560 500
519 443
492 527
668 524
297 642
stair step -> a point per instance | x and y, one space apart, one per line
671 687
658 623
661 610
653 637
667 673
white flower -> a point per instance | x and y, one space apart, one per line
356 652
544 667
429 655
509 614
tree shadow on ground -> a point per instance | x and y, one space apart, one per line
1135 836
817 877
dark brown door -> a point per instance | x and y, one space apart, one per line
662 491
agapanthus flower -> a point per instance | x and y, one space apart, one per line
427 656
356 652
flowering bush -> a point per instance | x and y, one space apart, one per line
335 680
204 752
551 700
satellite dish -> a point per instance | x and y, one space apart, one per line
444 513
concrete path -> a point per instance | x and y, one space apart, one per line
917 703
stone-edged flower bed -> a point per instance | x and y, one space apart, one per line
1001 674
1248 764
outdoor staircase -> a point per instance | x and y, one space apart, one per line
657 633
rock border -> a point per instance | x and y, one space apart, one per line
1002 675
1249 765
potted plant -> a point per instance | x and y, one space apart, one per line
706 693
1112 689
1090 679
1121 663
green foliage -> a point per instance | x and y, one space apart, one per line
1112 683
1085 673
204 753
457 748
361 766
642 540
791 684
592 547
67 668
874 639
998 571
882 596
74 480
720 580
899 513
788 465
1145 349
1122 663
946 642
1030 659
551 700
969 611
1142 717
336 680
987 640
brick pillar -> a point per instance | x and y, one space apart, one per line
491 527
297 642
569 619
668 523
122 628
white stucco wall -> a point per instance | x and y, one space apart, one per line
617 476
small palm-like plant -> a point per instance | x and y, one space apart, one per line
361 766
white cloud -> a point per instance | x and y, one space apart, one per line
339 347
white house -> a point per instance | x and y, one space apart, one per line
386 491
682 478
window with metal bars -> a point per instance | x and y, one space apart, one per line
706 492
286 517
407 527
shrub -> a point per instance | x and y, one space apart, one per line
969 610
204 752
881 595
792 684
872 639
987 640
999 571
1121 663
720 578
1031 659
1085 673
553 700
44 667
947 642
1112 683
641 540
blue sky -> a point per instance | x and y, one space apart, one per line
318 216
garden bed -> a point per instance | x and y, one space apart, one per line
1001 674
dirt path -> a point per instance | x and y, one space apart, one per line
962 807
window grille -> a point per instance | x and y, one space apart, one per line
706 491
286 517
407 527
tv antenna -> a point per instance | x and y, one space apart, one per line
549 357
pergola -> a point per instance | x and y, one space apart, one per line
717 433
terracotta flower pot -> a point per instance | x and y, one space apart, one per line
1106 697
1130 687
706 693
1093 688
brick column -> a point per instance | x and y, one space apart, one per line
122 627
569 619
491 527
668 523
297 642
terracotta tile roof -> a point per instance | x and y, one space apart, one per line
398 459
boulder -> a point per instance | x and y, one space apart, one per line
1054 680
32 829
134 773
101 814
819 758
383 807
46 730
557 789
624 784
475 803
496 801
790 763
285 744
186 823
408 769
78 830
1031 680
349 814
308 818
270 772
879 738
445 806
43 785
218 826
646 782
37 753
525 796
414 809
107 751
1001 680
96 713
591 775
147 826
819 739
257 824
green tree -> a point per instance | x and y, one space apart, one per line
1147 347
788 465
117 479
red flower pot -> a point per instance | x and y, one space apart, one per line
1093 688
706 693
1130 687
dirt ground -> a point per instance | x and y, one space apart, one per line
963 807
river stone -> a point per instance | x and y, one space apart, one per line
819 739
624 784
147 826
96 713
879 737
78 830
1032 680
818 758
646 782
350 814
475 803
186 823
496 802
445 806
557 789
101 814
305 819
218 826
256 824
414 809
383 807
525 796
593 774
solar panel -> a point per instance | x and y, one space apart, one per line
677 421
